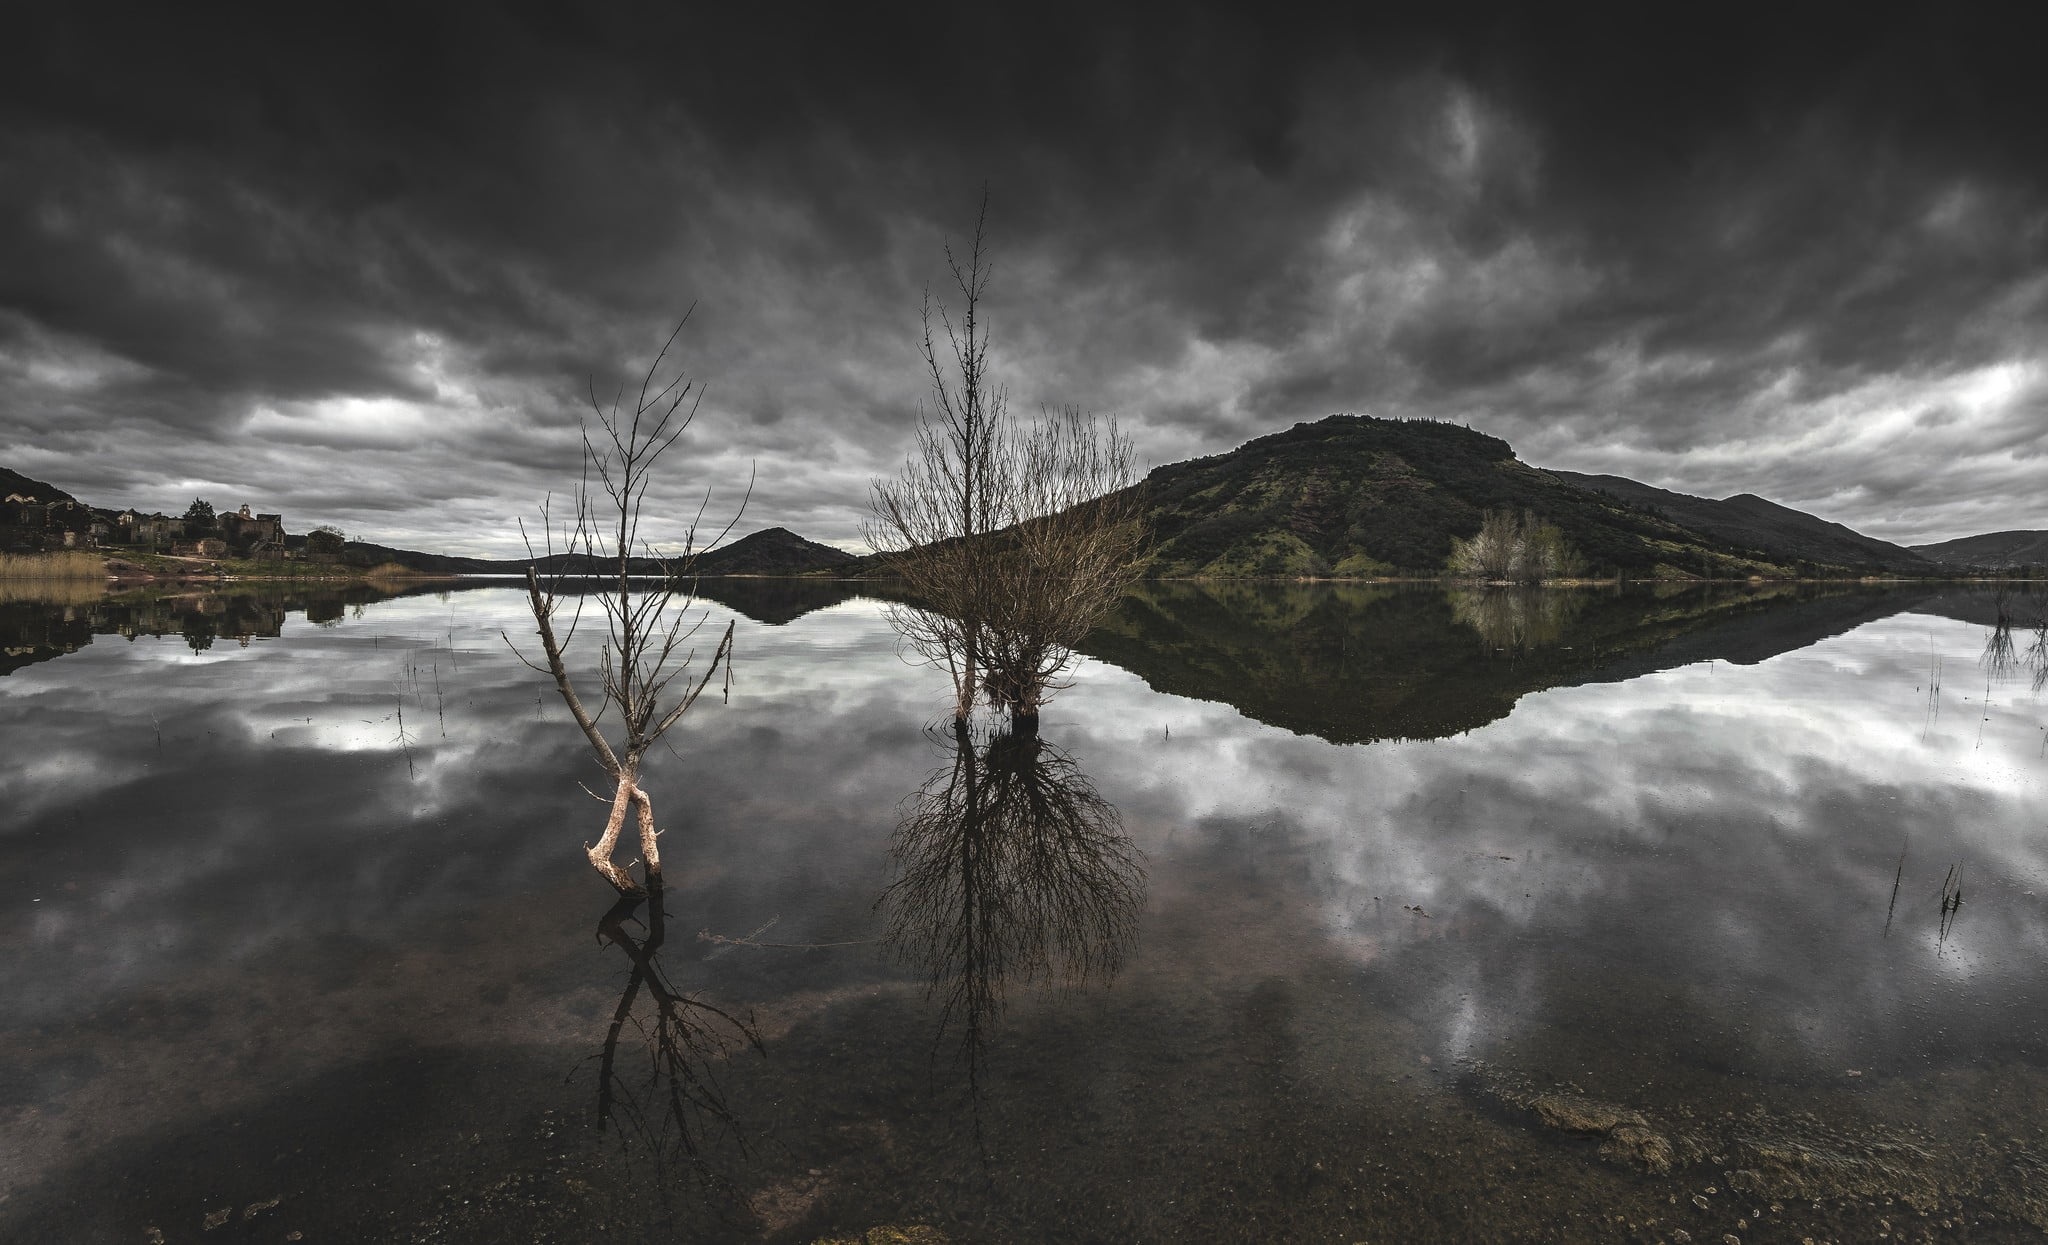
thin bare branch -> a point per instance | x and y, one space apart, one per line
1012 540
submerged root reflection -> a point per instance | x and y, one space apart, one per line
657 1081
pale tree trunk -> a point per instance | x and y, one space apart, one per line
628 792
600 853
650 848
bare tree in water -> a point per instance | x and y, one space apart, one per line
648 670
1011 540
930 520
1066 559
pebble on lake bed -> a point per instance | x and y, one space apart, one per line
1628 1136
254 1209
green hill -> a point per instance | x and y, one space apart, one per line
1352 495
1991 551
1748 520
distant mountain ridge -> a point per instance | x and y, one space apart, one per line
770 551
1751 521
1991 551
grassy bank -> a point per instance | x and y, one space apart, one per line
63 564
134 564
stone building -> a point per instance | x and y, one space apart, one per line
248 533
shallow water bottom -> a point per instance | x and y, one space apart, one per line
1301 1106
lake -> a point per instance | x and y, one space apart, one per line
1319 912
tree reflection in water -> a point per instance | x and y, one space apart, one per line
2002 657
1516 620
661 1092
1011 867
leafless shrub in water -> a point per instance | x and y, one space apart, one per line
1066 560
1012 540
651 625
930 521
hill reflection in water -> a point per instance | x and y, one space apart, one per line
1354 664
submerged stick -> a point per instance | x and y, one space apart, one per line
1896 879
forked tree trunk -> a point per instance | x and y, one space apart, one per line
600 853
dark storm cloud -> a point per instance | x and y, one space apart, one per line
361 268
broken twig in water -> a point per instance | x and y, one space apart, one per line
705 935
1951 899
1896 879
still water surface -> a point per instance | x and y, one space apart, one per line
1321 913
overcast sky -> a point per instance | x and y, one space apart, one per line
363 273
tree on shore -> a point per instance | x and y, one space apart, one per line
649 626
1527 550
1012 540
325 541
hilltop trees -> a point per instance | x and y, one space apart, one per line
1013 539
